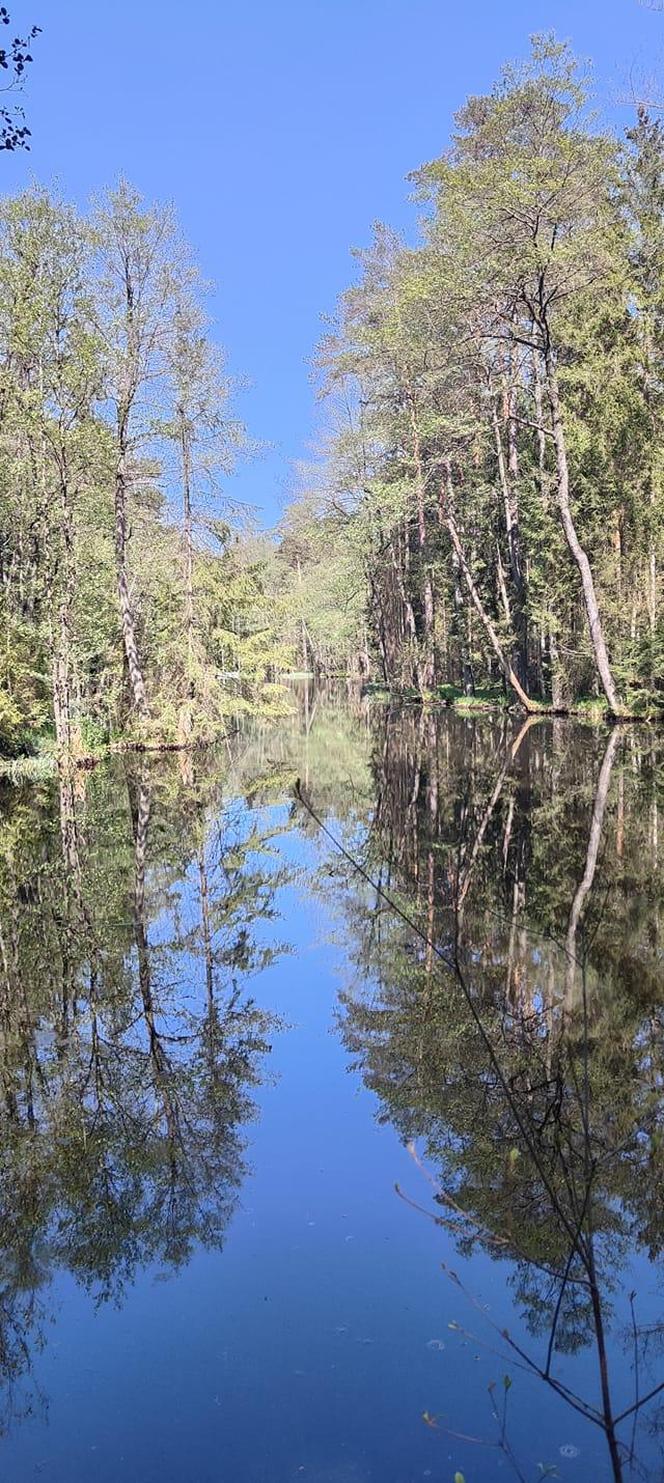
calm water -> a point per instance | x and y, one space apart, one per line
332 1166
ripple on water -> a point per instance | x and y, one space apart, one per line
569 1450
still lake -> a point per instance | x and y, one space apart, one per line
328 1165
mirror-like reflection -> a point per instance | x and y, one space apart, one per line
491 895
130 1045
506 1009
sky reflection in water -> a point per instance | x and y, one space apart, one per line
222 1052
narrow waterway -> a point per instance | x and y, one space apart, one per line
336 1164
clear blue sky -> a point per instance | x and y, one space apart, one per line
281 129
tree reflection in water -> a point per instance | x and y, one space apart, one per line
505 921
502 919
129 1043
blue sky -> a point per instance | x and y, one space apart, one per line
281 131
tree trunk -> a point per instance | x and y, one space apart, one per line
408 615
379 626
60 690
187 532
502 586
126 611
464 666
651 571
512 679
428 667
574 544
558 696
63 677
652 588
513 534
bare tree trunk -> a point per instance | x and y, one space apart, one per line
513 533
651 587
303 626
505 665
130 380
539 422
577 550
651 566
558 695
408 613
63 679
187 532
502 586
465 670
60 691
428 666
379 624
126 611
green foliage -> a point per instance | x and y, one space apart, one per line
23 705
454 511
116 432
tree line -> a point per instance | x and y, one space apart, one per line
126 595
489 511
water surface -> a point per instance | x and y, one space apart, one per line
332 1129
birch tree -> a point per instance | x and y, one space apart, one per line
138 282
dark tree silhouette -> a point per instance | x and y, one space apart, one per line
14 59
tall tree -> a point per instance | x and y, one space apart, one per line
644 199
138 283
51 381
495 463
206 437
527 203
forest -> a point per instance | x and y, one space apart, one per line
331 900
485 520
489 518
129 604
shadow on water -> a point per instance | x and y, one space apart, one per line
503 910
